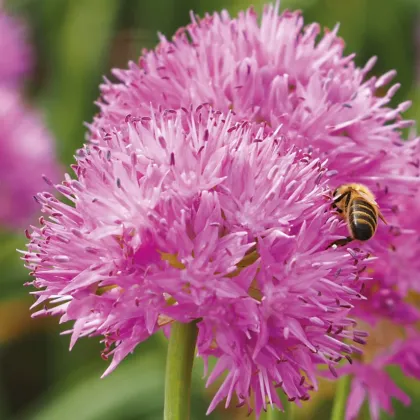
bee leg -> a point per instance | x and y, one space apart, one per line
341 242
382 217
340 197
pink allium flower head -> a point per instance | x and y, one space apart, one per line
187 215
26 152
277 71
16 56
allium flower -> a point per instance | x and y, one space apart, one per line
191 216
277 71
26 152
16 56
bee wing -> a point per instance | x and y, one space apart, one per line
373 202
367 197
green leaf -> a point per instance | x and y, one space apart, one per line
13 272
136 385
79 60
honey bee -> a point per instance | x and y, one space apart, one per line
357 205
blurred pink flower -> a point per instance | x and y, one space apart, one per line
371 382
406 354
385 302
193 216
16 55
26 152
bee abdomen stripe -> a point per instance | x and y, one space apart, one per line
358 222
365 206
359 215
363 231
365 210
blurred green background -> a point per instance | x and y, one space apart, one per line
76 42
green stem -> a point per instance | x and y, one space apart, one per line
179 364
291 409
272 414
340 399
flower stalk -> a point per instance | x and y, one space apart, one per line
340 399
179 365
274 413
291 410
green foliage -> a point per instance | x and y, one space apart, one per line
12 269
76 43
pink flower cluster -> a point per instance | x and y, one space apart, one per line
26 147
204 193
195 216
16 56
